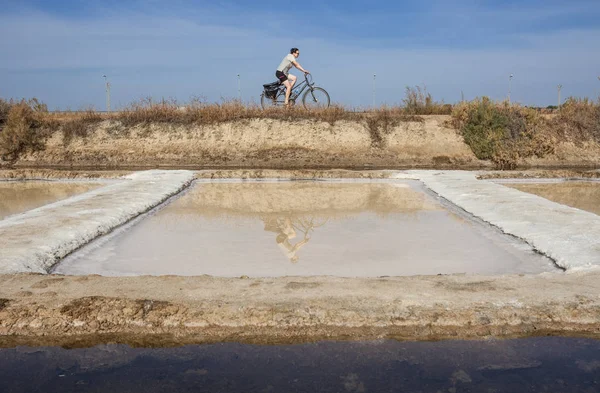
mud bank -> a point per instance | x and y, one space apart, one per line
57 174
170 310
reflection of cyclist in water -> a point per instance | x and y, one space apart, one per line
285 232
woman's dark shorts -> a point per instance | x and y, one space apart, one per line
281 76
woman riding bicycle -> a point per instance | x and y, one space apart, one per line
283 72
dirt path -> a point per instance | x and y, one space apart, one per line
170 310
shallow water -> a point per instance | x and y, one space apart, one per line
263 229
20 196
550 364
581 195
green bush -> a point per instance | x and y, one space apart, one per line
501 132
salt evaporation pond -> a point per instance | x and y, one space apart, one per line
19 196
266 229
581 195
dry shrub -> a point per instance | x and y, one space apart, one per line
418 101
147 111
4 109
22 130
381 122
198 113
502 132
79 125
578 121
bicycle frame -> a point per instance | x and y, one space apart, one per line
297 90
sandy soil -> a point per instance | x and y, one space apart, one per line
58 174
171 310
263 143
258 143
542 174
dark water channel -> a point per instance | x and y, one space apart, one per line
549 364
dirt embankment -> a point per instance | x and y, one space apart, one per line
58 174
170 310
260 143
418 142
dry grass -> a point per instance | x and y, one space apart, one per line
418 101
495 131
577 121
198 113
79 126
380 123
4 109
22 129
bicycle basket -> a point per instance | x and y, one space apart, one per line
271 89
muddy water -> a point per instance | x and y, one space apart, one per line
306 228
581 195
526 365
20 196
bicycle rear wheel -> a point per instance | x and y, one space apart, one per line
316 98
266 102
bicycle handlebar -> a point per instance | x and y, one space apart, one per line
309 82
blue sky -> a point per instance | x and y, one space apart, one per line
58 50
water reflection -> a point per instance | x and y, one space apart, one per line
303 198
20 196
551 364
316 228
581 195
287 229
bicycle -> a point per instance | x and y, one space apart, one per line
314 98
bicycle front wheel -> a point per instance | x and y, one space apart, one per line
315 98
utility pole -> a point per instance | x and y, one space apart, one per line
559 87
509 86
239 89
374 76
107 93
